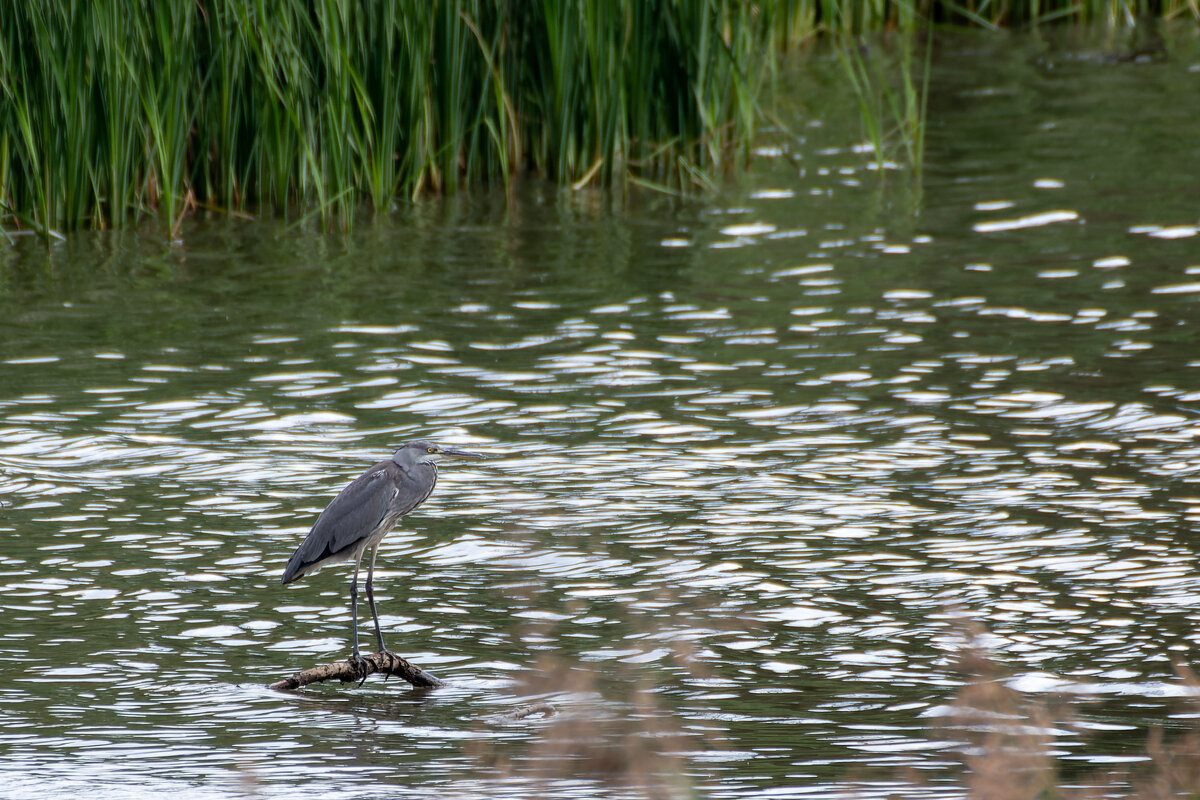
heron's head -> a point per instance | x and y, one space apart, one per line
428 452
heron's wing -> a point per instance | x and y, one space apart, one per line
349 519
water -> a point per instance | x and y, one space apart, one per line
755 459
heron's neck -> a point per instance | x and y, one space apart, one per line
413 467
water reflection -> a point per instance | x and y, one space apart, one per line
755 456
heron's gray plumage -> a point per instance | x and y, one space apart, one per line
363 513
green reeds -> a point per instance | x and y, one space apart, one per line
112 109
109 110
891 84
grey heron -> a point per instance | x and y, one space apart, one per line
362 514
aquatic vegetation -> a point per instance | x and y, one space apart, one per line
108 112
107 115
891 85
1005 739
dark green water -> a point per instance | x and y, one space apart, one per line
753 455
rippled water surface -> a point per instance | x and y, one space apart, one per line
753 459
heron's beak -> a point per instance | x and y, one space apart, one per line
452 453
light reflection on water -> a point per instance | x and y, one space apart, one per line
757 456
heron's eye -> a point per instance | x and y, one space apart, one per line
431 449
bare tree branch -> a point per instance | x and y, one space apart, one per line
344 671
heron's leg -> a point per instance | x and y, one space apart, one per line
371 600
356 659
383 650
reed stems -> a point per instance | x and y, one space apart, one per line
111 109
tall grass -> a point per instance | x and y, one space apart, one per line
1006 740
110 110
890 81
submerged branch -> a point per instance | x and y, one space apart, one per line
384 663
545 709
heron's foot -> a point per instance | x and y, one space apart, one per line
362 667
389 658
